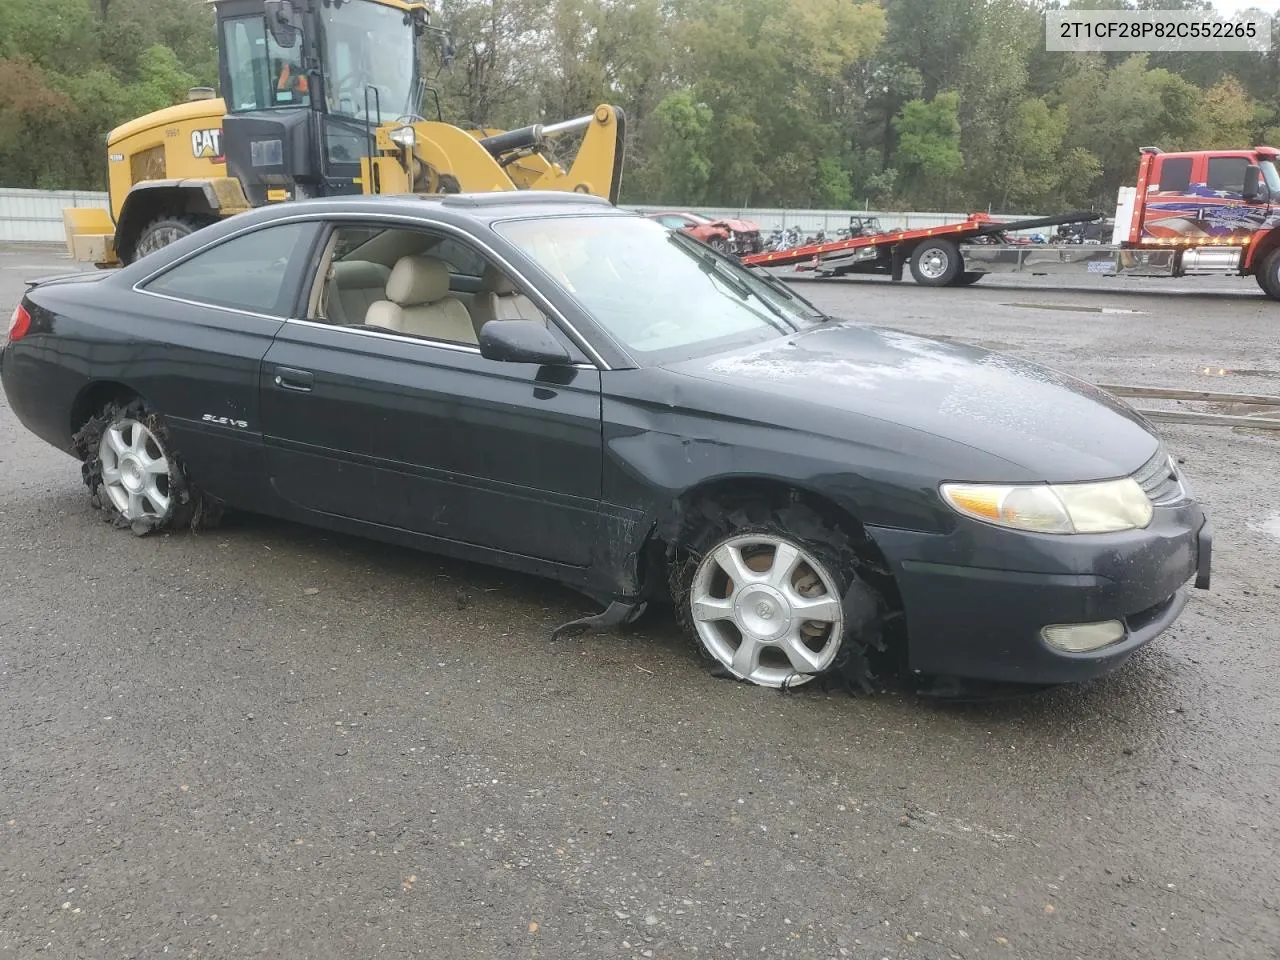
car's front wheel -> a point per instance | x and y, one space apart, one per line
771 595
133 474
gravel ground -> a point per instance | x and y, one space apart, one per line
268 740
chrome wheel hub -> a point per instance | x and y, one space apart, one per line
767 610
135 471
933 264
763 611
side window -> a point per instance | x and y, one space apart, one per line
462 260
1175 175
246 272
1227 174
262 73
414 282
674 222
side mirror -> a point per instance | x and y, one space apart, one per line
1255 187
520 341
282 21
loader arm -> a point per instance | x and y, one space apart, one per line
446 158
597 168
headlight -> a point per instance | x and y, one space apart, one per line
404 136
1104 507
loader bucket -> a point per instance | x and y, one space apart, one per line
90 235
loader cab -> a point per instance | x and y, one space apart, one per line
1220 196
305 83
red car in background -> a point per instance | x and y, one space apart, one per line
738 237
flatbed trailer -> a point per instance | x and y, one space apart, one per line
1191 213
890 252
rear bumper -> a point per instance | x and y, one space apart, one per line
983 621
38 391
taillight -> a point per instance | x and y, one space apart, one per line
19 324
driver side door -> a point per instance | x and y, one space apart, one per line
421 433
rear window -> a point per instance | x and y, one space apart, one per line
245 273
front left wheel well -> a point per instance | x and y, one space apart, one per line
690 508
744 508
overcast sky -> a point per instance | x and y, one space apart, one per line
1232 6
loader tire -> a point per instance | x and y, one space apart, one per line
164 230
936 263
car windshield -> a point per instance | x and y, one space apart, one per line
659 293
369 45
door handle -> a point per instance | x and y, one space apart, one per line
289 379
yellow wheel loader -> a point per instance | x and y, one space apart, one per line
319 98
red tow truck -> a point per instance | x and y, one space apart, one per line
1203 212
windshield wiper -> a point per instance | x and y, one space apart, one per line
708 263
758 270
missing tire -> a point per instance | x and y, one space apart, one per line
134 475
774 594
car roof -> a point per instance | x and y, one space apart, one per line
467 211
454 207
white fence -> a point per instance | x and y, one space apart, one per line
36 215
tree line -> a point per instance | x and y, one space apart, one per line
891 104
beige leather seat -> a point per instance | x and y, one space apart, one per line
498 299
418 303
354 286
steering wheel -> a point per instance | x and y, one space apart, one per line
355 82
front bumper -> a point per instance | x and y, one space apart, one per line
977 599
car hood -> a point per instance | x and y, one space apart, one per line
738 226
1050 424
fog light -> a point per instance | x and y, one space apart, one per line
1083 637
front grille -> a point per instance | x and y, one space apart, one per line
1160 480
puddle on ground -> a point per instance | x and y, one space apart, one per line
1269 526
1224 372
1072 306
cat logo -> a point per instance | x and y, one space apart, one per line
207 144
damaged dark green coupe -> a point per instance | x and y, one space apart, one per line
550 384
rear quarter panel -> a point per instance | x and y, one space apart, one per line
197 365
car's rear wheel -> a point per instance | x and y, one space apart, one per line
772 597
134 475
936 263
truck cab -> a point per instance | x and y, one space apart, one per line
1215 197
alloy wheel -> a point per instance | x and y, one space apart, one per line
135 471
767 610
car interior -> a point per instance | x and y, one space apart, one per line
415 283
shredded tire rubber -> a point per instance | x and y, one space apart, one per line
188 506
865 609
